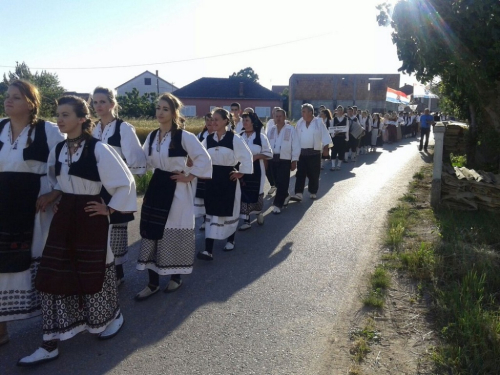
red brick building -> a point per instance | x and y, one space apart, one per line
366 91
205 94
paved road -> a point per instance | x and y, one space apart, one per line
268 307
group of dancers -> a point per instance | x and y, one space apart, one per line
68 194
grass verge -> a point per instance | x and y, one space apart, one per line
454 257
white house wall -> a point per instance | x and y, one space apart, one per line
139 83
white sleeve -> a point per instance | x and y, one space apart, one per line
145 150
54 135
132 150
326 139
202 163
266 146
51 170
295 145
116 178
243 155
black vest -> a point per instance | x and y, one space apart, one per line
175 149
226 142
200 136
116 139
38 149
86 166
256 140
336 121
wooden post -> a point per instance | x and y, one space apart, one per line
439 130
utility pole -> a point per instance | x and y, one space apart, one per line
157 84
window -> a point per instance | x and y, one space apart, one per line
263 111
212 107
147 81
189 111
227 108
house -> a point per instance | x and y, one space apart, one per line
366 91
145 82
205 94
278 89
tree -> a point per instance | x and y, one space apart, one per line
134 105
458 42
48 84
246 74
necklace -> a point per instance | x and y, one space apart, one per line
158 143
73 144
12 142
102 127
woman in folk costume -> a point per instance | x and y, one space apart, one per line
223 194
252 185
76 277
199 184
385 128
366 123
285 145
121 136
25 142
327 118
340 138
167 217
375 132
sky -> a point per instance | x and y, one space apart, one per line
276 38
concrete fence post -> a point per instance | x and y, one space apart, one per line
439 130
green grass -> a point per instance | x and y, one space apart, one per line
142 182
458 160
362 339
460 269
380 280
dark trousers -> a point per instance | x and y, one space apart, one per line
308 166
280 171
271 177
424 132
339 146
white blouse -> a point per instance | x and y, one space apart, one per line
131 151
226 157
256 149
114 175
202 164
11 154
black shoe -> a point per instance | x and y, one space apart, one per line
420 149
204 255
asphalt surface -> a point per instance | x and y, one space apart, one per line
268 307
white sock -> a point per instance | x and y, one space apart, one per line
333 163
340 163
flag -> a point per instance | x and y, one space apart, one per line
395 96
420 91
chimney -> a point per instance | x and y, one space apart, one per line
242 84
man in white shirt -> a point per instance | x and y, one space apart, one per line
238 121
286 152
314 141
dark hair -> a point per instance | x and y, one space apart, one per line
328 115
377 115
235 105
225 116
32 96
111 97
175 106
81 109
257 124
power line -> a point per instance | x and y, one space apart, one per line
179 61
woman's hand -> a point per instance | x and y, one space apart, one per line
181 177
98 208
189 163
46 200
235 175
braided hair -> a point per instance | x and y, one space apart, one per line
81 109
32 96
225 116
